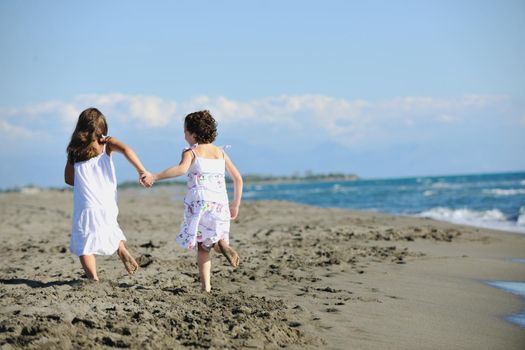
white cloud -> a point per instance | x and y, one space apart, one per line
63 110
432 104
347 122
151 111
13 132
446 118
224 109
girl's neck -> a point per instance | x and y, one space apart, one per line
97 144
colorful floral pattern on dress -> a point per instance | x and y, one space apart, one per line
205 221
215 180
196 206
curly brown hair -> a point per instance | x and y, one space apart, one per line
91 127
202 125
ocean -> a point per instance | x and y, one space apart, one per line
517 288
494 201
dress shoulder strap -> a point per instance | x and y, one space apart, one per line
223 149
192 149
106 138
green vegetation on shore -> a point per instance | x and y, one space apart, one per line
258 178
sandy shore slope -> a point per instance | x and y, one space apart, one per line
309 278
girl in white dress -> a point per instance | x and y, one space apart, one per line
207 213
90 170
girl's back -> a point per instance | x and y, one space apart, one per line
206 175
95 183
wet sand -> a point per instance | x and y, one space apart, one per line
309 278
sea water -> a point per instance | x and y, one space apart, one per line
494 201
517 288
514 287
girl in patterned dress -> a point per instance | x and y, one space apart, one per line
207 211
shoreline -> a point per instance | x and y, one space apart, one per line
492 201
180 187
309 278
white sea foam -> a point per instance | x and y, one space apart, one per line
517 288
522 182
445 185
464 214
249 194
342 189
303 192
428 193
493 219
499 192
521 217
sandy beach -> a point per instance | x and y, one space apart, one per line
309 278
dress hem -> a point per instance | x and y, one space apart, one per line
97 252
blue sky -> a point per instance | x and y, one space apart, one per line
377 88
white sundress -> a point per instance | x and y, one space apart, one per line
206 210
95 229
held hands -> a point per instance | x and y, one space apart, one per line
146 179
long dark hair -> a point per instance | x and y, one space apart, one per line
91 127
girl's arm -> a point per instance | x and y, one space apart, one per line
177 170
116 145
237 187
69 174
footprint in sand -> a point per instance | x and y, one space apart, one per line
149 245
145 260
332 310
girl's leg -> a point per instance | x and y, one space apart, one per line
228 252
203 260
129 263
90 266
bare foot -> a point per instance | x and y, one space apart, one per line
129 262
229 253
90 279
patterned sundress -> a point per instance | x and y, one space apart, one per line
206 210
